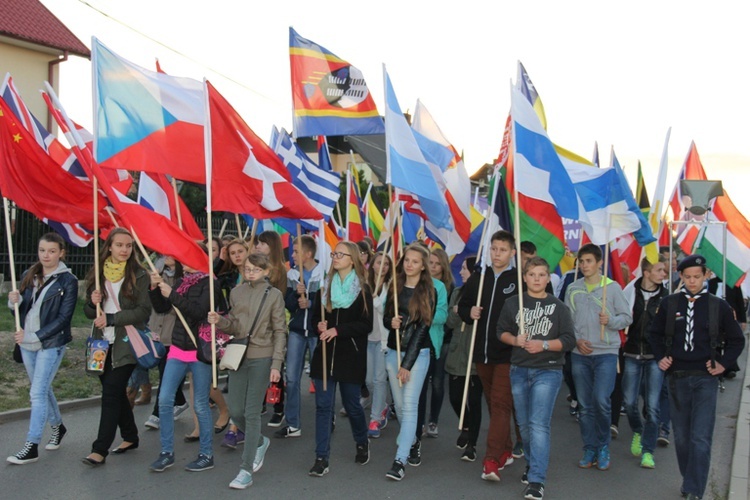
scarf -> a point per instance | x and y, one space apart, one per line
189 280
689 323
344 293
112 271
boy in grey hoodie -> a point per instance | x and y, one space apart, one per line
594 360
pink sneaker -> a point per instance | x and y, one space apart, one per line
373 429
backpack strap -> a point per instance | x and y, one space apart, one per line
713 326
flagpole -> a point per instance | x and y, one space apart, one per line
253 230
97 280
239 229
177 203
395 289
517 211
487 222
11 261
348 199
321 240
209 167
208 223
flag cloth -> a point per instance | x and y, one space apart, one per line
375 220
595 156
407 167
324 159
156 193
74 234
320 186
657 212
145 120
35 182
457 182
355 231
710 242
244 174
527 88
330 96
154 230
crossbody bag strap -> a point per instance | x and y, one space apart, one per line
257 314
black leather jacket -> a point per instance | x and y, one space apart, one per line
415 336
57 309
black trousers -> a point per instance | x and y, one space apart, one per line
116 411
473 415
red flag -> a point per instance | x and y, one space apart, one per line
154 230
155 191
354 229
246 175
35 182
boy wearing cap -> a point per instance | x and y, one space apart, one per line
685 334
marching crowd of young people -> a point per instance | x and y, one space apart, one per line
382 331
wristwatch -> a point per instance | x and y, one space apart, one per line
545 346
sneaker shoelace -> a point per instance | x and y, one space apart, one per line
25 450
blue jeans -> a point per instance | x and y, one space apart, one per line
594 377
325 402
692 402
42 367
636 372
376 380
406 398
664 417
295 365
534 394
247 386
173 374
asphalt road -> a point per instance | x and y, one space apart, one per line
61 475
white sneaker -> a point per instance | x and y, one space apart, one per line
243 480
152 422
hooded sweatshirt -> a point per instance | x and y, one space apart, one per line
586 306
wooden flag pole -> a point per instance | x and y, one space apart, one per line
239 227
322 344
208 154
11 261
223 226
604 287
253 231
177 203
393 283
97 279
474 327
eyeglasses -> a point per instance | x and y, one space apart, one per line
339 255
253 270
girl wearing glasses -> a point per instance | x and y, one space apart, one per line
343 328
256 311
410 318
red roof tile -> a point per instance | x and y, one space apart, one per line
30 21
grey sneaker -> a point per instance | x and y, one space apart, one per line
165 461
200 464
152 422
432 430
179 410
260 454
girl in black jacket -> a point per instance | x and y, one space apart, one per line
409 318
342 329
46 301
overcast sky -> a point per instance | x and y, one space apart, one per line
619 73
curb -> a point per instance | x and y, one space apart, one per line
738 480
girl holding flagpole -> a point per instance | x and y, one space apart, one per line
343 327
410 317
46 302
124 301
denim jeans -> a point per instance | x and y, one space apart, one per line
406 398
376 380
247 386
173 375
534 394
295 365
692 402
42 366
594 376
179 397
325 402
647 371
664 416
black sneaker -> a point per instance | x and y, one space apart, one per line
397 471
58 432
363 453
288 432
525 476
276 420
203 462
534 491
28 454
463 440
320 468
415 454
470 454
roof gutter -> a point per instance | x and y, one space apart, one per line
50 78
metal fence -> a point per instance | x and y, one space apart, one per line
27 229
